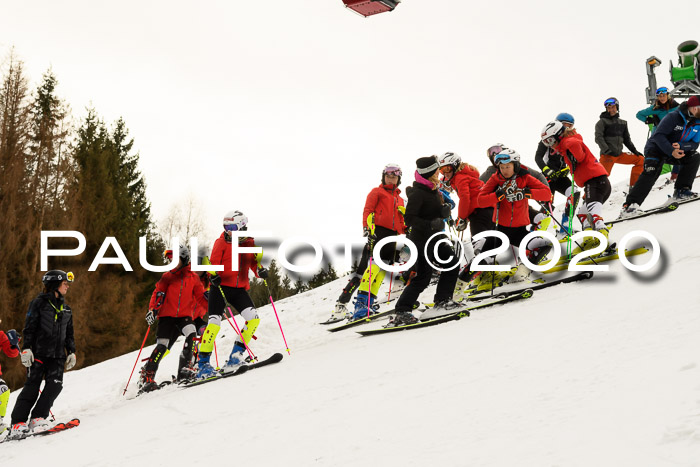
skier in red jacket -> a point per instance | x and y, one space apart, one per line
508 191
387 206
173 303
234 285
588 173
9 344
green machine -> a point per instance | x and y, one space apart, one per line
685 76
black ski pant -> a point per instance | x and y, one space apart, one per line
652 169
480 220
50 370
424 271
237 297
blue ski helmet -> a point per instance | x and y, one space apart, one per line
565 118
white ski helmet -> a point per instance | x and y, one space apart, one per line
451 160
235 221
506 156
183 253
551 133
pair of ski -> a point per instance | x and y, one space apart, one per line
670 205
275 358
57 428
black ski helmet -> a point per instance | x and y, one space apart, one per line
53 278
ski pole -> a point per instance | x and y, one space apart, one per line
160 296
137 359
577 243
370 245
258 257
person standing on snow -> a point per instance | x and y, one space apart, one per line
181 290
49 346
234 285
387 206
508 192
9 344
588 173
675 141
557 173
425 216
611 133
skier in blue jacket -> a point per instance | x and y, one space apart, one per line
675 141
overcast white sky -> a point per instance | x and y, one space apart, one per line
288 110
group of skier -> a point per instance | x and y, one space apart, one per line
499 199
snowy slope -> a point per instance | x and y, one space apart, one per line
604 372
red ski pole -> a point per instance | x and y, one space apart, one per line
159 302
137 359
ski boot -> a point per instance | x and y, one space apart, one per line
629 210
361 309
3 427
401 318
19 430
186 373
237 358
38 425
204 369
486 281
340 313
147 381
681 194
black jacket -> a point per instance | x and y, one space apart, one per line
422 207
611 133
548 157
48 329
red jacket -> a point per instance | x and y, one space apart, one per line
468 186
183 290
581 161
221 254
11 352
384 202
512 214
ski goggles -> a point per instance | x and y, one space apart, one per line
446 169
502 159
550 141
493 150
234 228
395 171
663 90
610 102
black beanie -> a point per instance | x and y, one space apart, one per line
427 166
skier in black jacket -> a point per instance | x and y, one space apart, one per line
426 212
48 347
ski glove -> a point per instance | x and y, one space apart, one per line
368 233
445 210
263 274
462 224
151 317
14 338
549 173
652 120
564 172
500 193
215 280
70 361
437 224
519 195
27 358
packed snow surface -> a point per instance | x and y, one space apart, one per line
604 372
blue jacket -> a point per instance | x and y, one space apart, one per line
676 127
660 113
